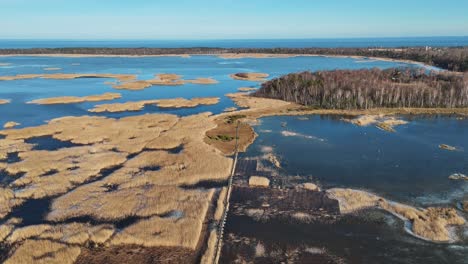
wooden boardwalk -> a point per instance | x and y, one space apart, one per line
222 223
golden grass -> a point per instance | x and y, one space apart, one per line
181 102
310 186
257 181
8 200
5 230
250 76
4 101
44 252
10 124
163 103
75 99
431 223
145 186
72 234
169 231
121 107
208 256
166 79
220 204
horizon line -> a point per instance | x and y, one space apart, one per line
230 39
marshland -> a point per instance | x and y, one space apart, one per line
133 154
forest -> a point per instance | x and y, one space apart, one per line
449 58
370 88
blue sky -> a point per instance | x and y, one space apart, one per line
228 19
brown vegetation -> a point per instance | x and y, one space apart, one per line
145 187
431 223
44 252
250 76
76 99
163 103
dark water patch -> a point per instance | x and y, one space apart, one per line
357 239
12 157
405 166
119 224
176 150
32 211
49 173
205 185
49 143
151 168
2 136
123 223
5 178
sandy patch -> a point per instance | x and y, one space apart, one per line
10 124
76 99
230 109
386 123
52 69
448 147
4 64
254 55
4 101
246 89
257 181
432 223
250 76
458 176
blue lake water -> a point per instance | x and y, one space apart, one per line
22 91
243 43
407 166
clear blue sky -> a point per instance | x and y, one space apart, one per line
226 19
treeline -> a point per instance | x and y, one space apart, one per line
370 88
449 58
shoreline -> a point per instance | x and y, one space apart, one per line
226 56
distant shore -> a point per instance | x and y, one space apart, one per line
448 58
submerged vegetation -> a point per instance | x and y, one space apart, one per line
370 88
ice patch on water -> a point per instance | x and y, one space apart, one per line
295 134
444 198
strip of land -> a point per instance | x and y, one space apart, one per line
449 58
163 103
76 99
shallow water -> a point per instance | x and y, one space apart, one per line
406 166
22 91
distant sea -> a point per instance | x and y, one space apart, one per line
241 43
